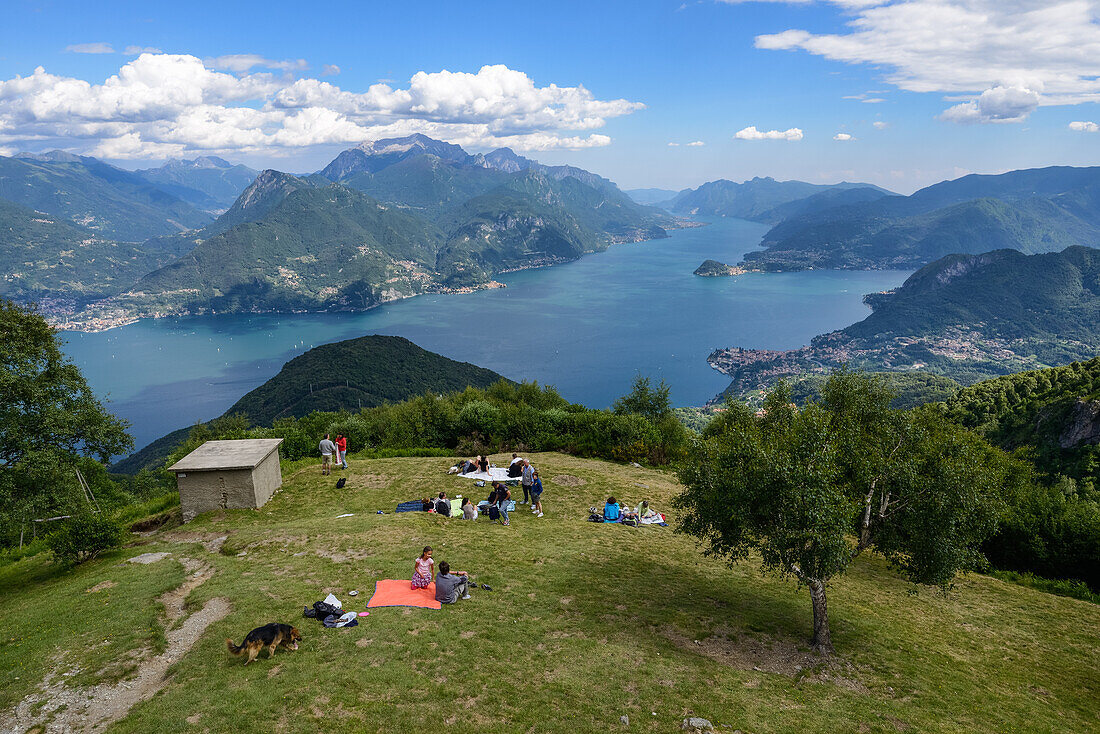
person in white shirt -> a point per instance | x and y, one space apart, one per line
327 449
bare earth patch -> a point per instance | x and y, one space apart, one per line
568 480
778 656
62 708
101 586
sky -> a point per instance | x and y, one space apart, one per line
900 93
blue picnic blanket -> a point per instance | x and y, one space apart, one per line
411 506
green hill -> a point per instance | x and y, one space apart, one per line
584 624
1033 211
44 256
113 203
968 317
1054 413
346 375
357 373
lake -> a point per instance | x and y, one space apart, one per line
587 327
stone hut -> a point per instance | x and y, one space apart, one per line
228 475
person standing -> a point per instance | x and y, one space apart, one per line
536 495
528 480
341 451
503 496
327 449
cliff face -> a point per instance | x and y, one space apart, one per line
1083 426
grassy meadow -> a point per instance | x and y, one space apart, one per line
585 623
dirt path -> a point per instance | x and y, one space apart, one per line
62 708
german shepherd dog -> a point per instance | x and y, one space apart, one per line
269 636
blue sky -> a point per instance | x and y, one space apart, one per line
965 85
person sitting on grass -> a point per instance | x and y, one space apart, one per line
422 569
536 495
612 512
443 505
450 587
483 464
469 510
645 511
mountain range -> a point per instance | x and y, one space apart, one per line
968 317
207 182
1033 211
767 200
384 220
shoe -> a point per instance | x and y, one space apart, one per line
466 597
487 587
539 515
532 507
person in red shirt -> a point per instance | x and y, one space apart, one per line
341 451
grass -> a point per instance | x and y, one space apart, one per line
585 623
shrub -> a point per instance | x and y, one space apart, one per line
83 537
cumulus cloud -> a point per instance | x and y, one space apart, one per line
90 48
330 70
138 50
751 133
969 47
843 137
999 104
160 105
1084 127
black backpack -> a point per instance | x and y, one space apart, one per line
341 482
494 512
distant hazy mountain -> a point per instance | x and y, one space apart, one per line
651 196
1033 211
43 256
374 156
113 203
968 317
755 199
208 182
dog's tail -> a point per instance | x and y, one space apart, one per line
233 649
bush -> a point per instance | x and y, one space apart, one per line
83 537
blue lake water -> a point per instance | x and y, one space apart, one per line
587 327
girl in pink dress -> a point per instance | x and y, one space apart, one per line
423 570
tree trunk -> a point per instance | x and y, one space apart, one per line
822 642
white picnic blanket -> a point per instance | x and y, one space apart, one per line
495 474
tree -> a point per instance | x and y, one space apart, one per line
49 419
812 489
651 402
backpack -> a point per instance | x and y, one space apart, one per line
341 482
494 512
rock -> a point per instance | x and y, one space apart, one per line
147 558
1083 426
625 720
696 723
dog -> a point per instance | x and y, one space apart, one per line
269 636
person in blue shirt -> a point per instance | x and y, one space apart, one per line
611 511
536 495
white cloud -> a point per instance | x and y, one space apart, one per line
843 137
751 133
880 125
163 104
90 48
971 47
138 50
999 104
246 62
695 144
1084 127
674 145
330 70
873 100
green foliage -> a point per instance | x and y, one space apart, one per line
49 421
794 484
910 389
651 402
84 536
1058 587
